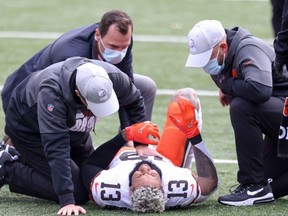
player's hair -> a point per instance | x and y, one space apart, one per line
118 18
147 199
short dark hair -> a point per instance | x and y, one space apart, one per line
118 18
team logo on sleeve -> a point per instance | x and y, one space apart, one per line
50 107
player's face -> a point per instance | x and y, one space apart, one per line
145 176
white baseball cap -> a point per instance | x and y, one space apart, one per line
202 38
95 86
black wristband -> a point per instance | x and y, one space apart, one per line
123 133
195 140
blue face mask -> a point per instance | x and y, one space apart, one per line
113 56
213 67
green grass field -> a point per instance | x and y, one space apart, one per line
162 61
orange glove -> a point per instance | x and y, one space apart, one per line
144 132
186 121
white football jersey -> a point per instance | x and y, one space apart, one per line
111 187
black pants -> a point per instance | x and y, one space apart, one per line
32 176
256 129
277 10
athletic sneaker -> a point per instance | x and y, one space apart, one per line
248 194
4 157
9 149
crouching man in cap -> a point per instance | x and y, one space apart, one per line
49 117
241 66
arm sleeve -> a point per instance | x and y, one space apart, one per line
251 91
206 171
255 83
56 143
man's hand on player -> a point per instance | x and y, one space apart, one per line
146 150
144 132
71 209
186 122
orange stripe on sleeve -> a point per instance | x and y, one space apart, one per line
234 73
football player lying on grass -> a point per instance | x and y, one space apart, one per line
144 183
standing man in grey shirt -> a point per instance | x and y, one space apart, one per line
241 67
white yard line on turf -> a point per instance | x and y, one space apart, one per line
221 161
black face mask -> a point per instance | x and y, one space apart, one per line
149 163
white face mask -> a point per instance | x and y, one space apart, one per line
112 56
213 67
